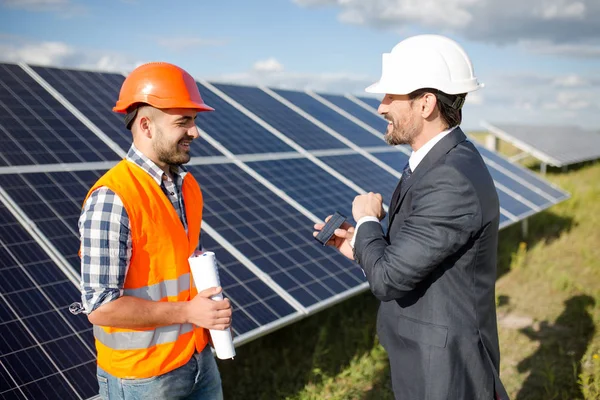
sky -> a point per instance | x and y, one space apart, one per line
539 59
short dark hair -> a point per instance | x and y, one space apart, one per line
449 105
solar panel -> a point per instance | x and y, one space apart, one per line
272 234
330 118
370 101
554 145
37 129
238 133
364 173
45 352
286 159
296 127
309 185
351 107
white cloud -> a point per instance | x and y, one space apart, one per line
508 21
582 50
181 43
268 65
17 49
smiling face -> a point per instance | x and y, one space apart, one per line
173 136
403 116
165 135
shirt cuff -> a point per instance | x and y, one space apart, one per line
358 224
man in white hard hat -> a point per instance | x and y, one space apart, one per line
435 269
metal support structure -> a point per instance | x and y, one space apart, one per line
525 228
543 168
491 142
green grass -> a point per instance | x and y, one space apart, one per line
548 296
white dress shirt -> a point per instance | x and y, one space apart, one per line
414 160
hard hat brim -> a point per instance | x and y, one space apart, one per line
122 107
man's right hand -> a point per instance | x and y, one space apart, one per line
341 237
207 313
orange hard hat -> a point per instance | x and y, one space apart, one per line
161 85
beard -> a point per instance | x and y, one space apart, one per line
403 131
169 152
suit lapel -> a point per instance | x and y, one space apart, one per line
440 149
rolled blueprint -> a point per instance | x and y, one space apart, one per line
204 271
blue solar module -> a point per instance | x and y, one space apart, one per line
45 351
363 172
254 303
371 101
36 129
95 94
368 117
521 174
308 184
282 118
395 159
331 118
53 201
234 130
512 205
273 235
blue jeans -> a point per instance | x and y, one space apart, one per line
198 379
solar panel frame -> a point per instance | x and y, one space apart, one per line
555 145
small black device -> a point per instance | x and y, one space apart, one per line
334 223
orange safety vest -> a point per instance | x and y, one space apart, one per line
159 270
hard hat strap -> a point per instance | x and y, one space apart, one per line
454 101
130 116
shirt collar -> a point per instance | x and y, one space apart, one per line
417 156
138 158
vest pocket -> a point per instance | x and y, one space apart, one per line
422 332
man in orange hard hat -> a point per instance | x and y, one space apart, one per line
139 224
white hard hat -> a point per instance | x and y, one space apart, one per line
426 61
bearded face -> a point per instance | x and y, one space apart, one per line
172 151
403 126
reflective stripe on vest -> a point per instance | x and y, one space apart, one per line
141 339
158 291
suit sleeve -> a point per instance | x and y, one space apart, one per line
445 214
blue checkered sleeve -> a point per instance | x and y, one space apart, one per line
105 248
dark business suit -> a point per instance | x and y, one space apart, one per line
435 274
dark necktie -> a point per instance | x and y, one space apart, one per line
406 173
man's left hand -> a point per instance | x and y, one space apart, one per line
368 205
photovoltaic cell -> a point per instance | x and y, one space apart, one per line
95 94
45 351
273 235
555 145
36 129
371 101
395 159
331 118
369 176
282 118
234 130
521 174
368 117
254 303
308 184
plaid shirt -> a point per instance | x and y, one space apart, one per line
106 234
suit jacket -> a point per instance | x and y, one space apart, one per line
435 274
